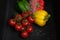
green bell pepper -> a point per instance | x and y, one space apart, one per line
26 4
21 6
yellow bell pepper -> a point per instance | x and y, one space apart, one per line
41 17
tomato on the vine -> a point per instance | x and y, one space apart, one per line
28 12
25 22
24 34
18 27
18 17
30 29
23 14
12 22
30 19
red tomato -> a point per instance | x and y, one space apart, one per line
30 19
28 12
18 17
23 14
18 27
25 22
24 34
12 22
30 29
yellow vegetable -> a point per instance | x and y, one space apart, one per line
41 17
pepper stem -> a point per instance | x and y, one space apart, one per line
47 17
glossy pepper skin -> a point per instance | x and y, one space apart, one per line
23 5
26 4
41 17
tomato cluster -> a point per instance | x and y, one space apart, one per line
22 22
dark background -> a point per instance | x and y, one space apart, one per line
7 8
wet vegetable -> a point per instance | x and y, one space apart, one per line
41 17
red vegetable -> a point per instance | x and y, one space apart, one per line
30 19
28 12
18 27
40 8
41 2
24 34
25 22
23 14
18 17
30 29
33 5
37 5
12 22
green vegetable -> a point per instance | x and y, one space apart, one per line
26 2
27 5
21 6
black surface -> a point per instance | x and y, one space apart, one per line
48 31
2 15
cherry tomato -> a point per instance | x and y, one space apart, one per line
24 34
25 22
23 14
30 29
18 17
12 22
18 27
30 19
28 12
